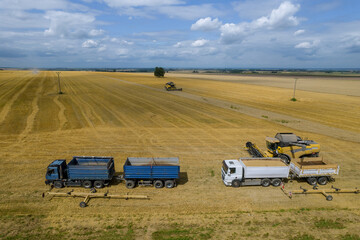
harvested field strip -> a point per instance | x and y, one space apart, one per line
328 109
296 123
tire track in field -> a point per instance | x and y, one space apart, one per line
7 107
277 118
35 109
61 115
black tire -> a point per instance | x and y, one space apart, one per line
276 182
158 184
130 184
322 180
285 158
265 182
58 184
83 204
169 183
236 183
312 181
329 197
98 184
87 184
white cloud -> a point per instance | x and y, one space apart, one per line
96 32
90 44
279 18
73 25
206 24
139 3
199 43
250 8
308 45
299 32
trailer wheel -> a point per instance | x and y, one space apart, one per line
276 182
265 182
169 183
98 184
58 184
130 184
87 184
235 183
158 184
322 180
285 158
83 204
312 181
329 198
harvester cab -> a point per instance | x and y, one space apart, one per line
170 86
288 146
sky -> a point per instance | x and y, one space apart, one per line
180 33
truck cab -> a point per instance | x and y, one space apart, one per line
230 171
56 170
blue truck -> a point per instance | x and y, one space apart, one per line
100 171
159 172
81 171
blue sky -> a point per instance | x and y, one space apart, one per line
180 33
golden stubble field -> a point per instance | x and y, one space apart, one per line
131 115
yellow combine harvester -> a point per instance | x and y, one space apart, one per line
286 146
170 86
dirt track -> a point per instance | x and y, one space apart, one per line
104 114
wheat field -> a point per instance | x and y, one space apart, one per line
131 115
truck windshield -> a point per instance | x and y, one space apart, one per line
50 171
271 146
225 167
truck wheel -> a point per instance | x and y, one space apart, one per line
311 181
169 183
322 180
235 183
329 198
276 182
58 184
130 184
98 184
83 204
285 158
158 184
265 182
87 184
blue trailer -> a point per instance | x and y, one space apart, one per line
81 171
159 172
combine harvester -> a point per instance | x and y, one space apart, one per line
170 86
285 146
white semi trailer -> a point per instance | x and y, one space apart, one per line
254 171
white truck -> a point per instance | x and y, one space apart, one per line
254 171
271 171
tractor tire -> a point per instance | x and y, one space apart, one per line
276 182
322 180
285 158
58 184
265 182
83 204
158 184
130 184
98 184
312 181
236 183
87 184
169 183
